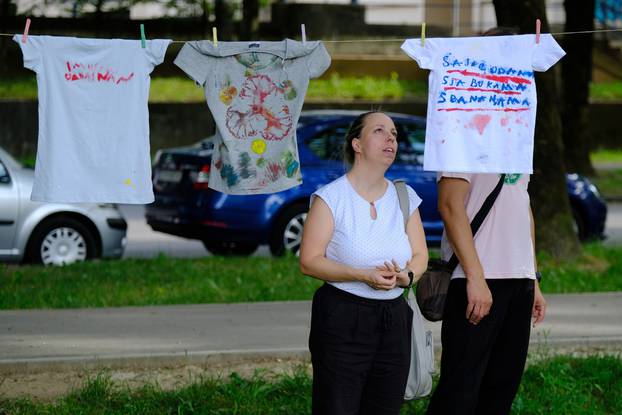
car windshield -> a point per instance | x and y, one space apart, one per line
207 143
8 159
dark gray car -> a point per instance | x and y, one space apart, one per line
53 233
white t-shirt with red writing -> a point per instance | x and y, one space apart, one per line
503 242
482 100
93 141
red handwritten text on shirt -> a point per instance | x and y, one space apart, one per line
94 73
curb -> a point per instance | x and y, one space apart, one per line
153 361
232 357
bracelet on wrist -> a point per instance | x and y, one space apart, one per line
411 277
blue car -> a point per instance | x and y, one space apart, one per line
236 225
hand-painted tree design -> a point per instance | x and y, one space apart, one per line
259 110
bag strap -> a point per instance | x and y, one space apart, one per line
402 196
477 221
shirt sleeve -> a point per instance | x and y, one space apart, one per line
424 55
546 53
31 51
193 63
414 199
326 194
463 176
156 50
318 61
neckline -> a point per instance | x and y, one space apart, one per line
283 49
358 195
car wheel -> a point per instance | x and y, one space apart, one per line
578 223
229 248
61 241
287 232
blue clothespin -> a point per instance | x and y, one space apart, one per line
143 41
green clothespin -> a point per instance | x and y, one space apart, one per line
143 41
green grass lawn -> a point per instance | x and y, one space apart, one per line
368 88
609 182
136 282
154 281
606 90
180 89
558 385
606 156
18 88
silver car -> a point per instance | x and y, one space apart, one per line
53 233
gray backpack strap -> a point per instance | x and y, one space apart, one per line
402 195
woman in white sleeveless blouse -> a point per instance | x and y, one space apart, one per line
354 240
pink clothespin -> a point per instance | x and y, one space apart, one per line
537 31
26 29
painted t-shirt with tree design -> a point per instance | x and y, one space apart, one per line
255 91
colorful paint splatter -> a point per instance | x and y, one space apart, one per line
512 178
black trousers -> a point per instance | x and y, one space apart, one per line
482 365
360 351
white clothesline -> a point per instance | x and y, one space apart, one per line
401 39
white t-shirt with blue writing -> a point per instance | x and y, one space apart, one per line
93 141
482 100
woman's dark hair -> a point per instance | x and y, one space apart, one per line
354 132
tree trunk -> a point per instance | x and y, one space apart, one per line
576 77
224 20
250 22
98 17
549 198
7 9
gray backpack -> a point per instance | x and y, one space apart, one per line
419 382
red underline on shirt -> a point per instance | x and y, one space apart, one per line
499 78
496 91
484 109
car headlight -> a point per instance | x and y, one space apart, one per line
591 186
594 189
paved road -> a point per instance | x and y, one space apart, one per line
613 228
145 243
191 334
